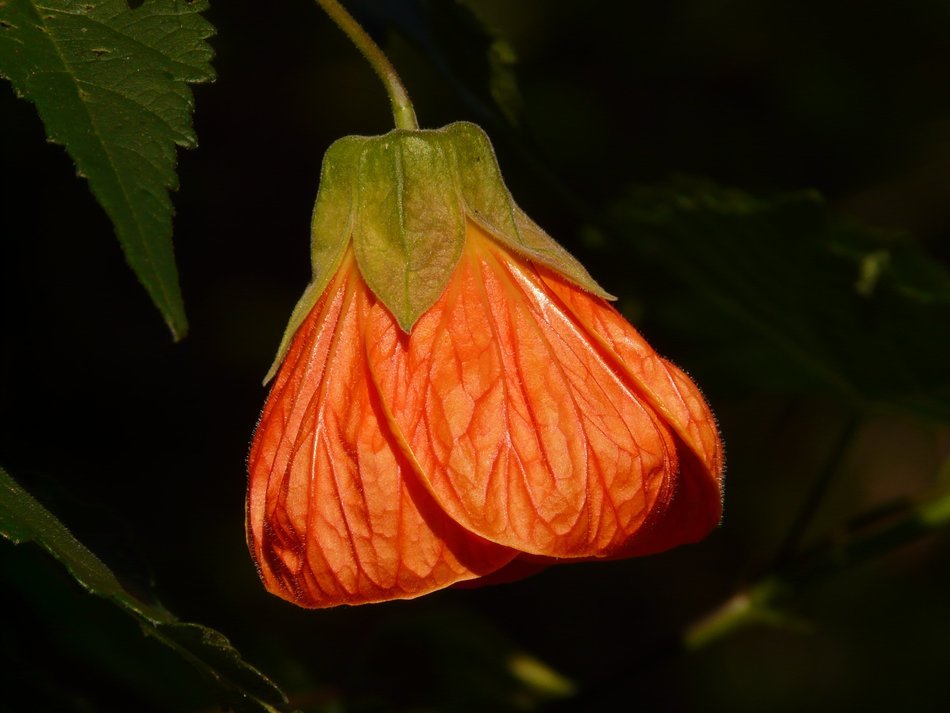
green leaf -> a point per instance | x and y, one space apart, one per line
24 519
111 85
786 295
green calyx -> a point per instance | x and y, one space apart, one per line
403 200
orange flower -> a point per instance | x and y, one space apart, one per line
519 421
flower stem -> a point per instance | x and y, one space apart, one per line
403 113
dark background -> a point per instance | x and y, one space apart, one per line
138 444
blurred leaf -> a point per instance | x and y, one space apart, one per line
111 85
241 686
874 537
478 63
784 294
466 664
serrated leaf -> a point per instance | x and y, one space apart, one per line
111 85
785 294
23 519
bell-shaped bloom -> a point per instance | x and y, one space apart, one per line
470 410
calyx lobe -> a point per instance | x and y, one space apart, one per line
403 199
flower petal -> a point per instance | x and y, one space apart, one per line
332 516
697 502
522 431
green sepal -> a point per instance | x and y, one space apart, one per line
403 199
410 226
489 204
330 231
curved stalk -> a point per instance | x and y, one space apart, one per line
403 113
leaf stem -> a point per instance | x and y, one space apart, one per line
819 489
761 602
403 113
